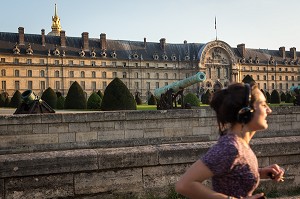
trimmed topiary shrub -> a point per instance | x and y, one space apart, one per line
75 98
275 97
192 99
205 99
7 101
16 100
117 97
283 97
137 98
268 97
58 94
289 98
2 101
60 102
50 97
94 101
100 94
152 100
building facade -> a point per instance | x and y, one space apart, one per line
39 61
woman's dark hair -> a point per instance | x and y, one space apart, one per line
227 103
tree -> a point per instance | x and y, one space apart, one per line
50 97
137 98
75 98
275 98
117 97
192 99
94 101
16 99
152 100
60 102
100 94
283 97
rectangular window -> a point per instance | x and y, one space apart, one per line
124 75
17 73
93 86
93 63
29 61
71 63
81 63
42 61
17 85
103 74
56 62
103 63
57 85
2 60
257 77
93 74
82 84
42 85
148 86
136 64
30 85
29 73
286 78
114 74
104 85
3 85
124 64
71 73
136 85
147 65
16 61
156 84
293 78
114 64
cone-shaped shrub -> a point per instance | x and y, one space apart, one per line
58 94
117 97
16 100
50 97
152 100
275 98
289 98
75 98
205 99
94 101
2 101
60 102
7 101
192 99
268 97
138 99
283 97
100 94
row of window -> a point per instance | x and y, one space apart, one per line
286 78
82 74
272 69
57 85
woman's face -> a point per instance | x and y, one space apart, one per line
261 111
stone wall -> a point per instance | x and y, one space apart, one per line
61 131
75 163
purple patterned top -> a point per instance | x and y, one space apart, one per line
234 166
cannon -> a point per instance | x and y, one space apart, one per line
167 95
32 104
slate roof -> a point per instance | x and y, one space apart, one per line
125 49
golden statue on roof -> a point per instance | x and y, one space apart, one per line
56 27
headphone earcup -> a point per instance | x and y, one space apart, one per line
245 115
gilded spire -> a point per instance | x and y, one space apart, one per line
56 28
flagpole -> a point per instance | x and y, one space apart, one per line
216 28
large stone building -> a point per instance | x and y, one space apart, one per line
39 61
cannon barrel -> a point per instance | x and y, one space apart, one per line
176 86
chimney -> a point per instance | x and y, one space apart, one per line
241 49
293 53
43 37
163 43
21 36
103 41
85 41
63 38
282 52
145 42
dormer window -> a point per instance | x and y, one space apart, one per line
165 57
56 51
173 57
16 50
93 53
113 54
29 50
103 53
81 53
135 56
186 58
155 56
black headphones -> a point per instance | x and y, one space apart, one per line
245 114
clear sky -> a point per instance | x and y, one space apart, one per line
267 24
